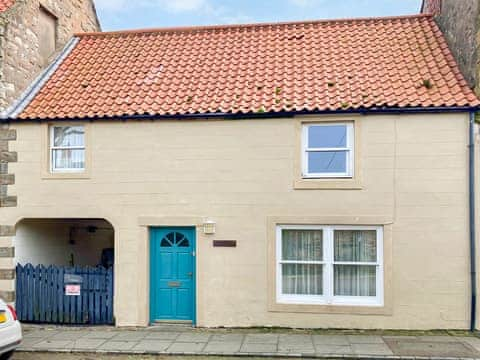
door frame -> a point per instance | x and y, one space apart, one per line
194 278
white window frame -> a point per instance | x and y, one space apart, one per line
328 297
349 150
52 148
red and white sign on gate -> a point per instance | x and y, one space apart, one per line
72 290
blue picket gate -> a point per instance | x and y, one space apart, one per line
41 298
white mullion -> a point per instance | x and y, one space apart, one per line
379 291
305 153
338 149
359 263
303 262
68 147
278 254
351 146
329 265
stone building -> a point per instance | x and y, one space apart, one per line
32 33
460 24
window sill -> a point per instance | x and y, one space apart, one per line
65 175
331 309
327 183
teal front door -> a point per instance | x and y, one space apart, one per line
172 274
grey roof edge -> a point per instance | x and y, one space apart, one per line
32 90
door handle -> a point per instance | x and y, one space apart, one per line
190 273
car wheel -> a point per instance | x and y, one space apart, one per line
6 356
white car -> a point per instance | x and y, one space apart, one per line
10 331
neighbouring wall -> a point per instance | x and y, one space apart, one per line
460 23
23 36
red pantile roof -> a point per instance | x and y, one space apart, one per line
333 65
6 4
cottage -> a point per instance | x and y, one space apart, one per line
309 174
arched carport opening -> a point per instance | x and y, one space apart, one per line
65 270
64 242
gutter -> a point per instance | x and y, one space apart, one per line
243 116
30 92
471 193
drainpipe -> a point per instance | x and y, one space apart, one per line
471 191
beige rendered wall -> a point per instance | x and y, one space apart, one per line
240 173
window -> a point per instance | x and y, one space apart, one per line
331 265
328 150
67 148
47 34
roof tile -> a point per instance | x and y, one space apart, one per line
307 66
6 4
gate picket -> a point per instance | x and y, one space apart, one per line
41 295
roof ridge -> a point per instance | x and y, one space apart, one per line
250 25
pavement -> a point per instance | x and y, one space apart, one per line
177 340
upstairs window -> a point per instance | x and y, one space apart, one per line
47 34
67 149
327 150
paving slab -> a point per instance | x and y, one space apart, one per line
301 344
330 340
287 338
103 334
439 338
152 345
371 349
258 348
193 337
68 335
157 335
323 349
262 338
88 344
432 348
365 339
472 341
53 344
29 342
227 337
223 347
39 333
129 336
186 347
117 345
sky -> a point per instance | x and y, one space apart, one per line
134 14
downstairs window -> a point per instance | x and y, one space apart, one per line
331 265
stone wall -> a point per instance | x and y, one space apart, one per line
460 23
431 6
21 62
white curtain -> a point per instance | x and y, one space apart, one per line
355 246
302 245
65 137
69 159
